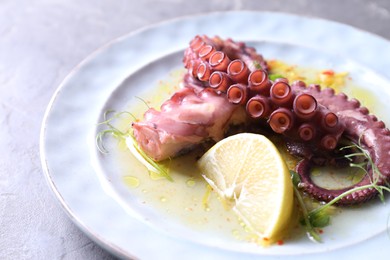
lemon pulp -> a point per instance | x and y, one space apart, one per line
247 171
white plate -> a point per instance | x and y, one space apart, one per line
90 186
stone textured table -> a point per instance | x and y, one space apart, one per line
40 42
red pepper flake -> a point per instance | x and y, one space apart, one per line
280 242
328 72
265 238
320 231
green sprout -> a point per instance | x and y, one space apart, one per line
159 168
310 229
273 77
320 216
115 132
257 65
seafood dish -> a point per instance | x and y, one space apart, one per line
227 83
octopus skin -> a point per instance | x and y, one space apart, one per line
359 125
206 56
227 83
241 73
195 113
190 117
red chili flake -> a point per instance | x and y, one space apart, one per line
266 239
280 242
320 231
328 72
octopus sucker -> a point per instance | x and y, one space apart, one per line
227 84
321 194
360 127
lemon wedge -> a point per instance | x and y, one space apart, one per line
247 172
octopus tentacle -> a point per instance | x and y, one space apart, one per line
241 71
227 82
321 194
229 56
302 106
359 125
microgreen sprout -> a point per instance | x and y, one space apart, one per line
159 168
273 77
319 217
257 65
111 129
310 231
143 101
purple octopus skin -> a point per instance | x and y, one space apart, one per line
195 113
359 125
159 137
243 76
190 117
201 48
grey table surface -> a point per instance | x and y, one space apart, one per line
40 42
